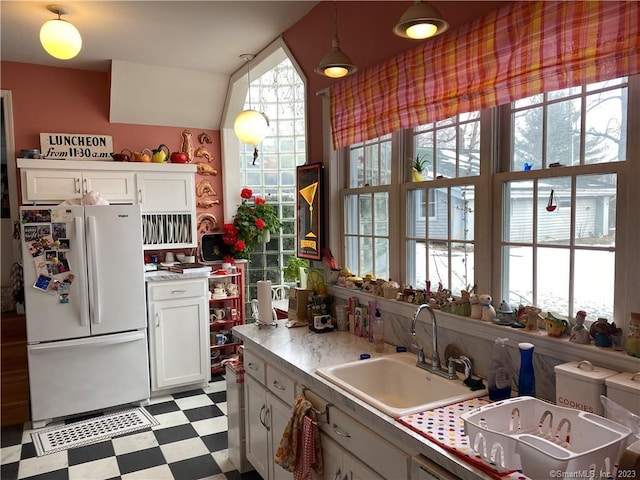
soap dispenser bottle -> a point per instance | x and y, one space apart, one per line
378 332
499 371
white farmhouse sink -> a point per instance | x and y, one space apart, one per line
396 386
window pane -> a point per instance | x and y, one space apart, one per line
563 133
416 264
356 167
553 280
381 213
446 152
439 222
365 214
351 253
424 147
461 267
565 92
594 283
351 214
385 163
518 212
527 139
416 210
596 210
529 101
382 257
518 275
366 256
469 154
554 210
606 127
438 264
462 212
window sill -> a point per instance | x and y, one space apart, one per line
558 348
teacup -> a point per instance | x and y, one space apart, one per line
221 339
219 313
219 292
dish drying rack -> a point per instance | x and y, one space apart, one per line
539 438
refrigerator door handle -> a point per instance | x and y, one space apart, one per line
92 257
89 342
84 308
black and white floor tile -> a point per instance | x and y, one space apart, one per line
189 443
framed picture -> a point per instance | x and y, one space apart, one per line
309 211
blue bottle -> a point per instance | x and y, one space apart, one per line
526 379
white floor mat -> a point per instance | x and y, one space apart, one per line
93 430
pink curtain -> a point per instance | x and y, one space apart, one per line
519 50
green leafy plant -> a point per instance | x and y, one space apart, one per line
292 271
249 225
419 164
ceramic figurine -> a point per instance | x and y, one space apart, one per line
601 331
555 326
476 308
632 344
533 315
505 314
579 333
488 312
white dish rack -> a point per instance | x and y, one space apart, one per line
539 438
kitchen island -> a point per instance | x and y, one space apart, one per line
299 352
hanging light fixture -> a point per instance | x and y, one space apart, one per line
420 21
58 37
250 125
336 63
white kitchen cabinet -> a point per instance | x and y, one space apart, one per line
266 415
341 465
158 192
54 186
178 317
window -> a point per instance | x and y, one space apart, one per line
280 94
540 223
366 207
440 251
560 222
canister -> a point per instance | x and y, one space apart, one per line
580 384
624 389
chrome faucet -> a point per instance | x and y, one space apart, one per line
435 366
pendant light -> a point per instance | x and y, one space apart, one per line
58 37
420 21
336 63
251 126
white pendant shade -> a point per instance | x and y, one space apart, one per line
336 63
420 21
60 39
251 127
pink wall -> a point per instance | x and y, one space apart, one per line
50 99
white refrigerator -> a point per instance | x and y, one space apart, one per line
85 307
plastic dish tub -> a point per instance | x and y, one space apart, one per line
542 439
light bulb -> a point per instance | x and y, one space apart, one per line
250 127
335 72
422 30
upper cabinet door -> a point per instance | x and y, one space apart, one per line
159 192
51 186
116 187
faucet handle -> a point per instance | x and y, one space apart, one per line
421 358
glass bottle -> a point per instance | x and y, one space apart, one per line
526 379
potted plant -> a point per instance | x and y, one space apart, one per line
291 272
418 169
251 225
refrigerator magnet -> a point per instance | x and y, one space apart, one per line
61 216
36 216
43 283
59 230
63 292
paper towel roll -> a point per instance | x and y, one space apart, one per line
264 301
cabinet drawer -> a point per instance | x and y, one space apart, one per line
180 289
255 366
281 385
371 449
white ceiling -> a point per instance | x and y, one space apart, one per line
206 36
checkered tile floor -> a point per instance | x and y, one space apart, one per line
189 443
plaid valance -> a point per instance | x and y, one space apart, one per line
519 50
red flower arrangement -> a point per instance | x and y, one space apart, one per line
249 225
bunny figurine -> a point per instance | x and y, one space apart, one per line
488 312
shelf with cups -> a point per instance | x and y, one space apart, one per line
226 310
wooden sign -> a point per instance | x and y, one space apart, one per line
76 146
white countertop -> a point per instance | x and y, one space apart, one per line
300 351
164 275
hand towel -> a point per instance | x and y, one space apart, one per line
291 451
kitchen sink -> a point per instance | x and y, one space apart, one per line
396 386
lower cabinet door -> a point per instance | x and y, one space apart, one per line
255 405
341 465
280 414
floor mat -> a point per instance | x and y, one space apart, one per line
93 430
